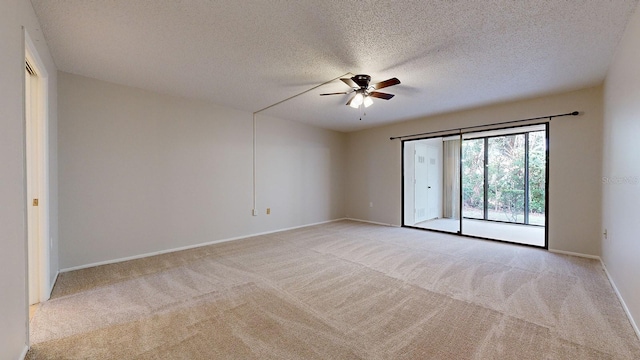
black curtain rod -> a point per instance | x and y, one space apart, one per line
480 126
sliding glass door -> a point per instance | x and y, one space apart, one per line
492 184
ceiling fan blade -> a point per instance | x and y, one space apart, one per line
381 95
349 82
386 83
349 102
337 93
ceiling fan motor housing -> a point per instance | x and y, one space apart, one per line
362 80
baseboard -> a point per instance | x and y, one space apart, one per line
624 305
24 353
188 247
562 252
287 229
613 285
53 283
371 222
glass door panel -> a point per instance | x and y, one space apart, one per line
505 178
537 177
473 178
431 183
504 175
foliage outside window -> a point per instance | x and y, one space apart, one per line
506 173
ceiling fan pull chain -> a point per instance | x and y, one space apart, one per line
362 112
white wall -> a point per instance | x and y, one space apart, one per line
142 172
621 168
575 164
13 280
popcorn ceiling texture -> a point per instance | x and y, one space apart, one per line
247 55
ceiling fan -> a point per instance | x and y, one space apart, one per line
364 92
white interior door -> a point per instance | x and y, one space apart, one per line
433 188
421 183
32 158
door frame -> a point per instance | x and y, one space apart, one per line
41 111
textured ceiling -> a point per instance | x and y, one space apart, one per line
248 55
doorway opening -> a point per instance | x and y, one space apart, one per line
489 184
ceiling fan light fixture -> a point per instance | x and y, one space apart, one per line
364 92
367 101
357 101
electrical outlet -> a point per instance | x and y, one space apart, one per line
605 234
268 211
254 212
371 204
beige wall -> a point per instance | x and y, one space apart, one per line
621 169
300 173
142 172
13 280
574 165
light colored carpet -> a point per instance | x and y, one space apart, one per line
343 290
